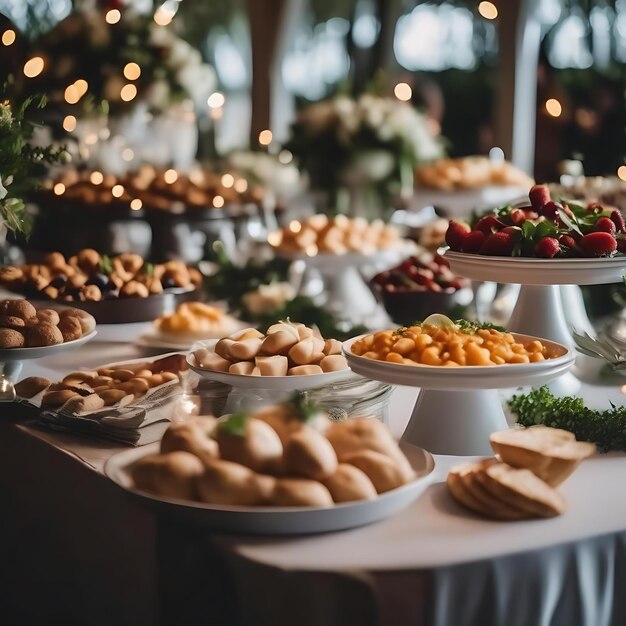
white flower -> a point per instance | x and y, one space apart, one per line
268 298
3 189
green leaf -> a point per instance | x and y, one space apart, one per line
545 229
234 424
569 222
528 229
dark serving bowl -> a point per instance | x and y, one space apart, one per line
406 307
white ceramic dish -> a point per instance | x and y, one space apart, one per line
23 354
264 520
525 271
174 341
278 383
459 407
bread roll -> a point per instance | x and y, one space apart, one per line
242 368
211 361
57 398
361 433
305 370
279 342
246 333
222 347
332 346
194 436
522 489
172 475
302 352
384 472
272 365
333 363
550 453
80 404
224 482
258 447
31 386
308 453
245 349
349 483
300 492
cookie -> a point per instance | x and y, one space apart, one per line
43 335
10 338
11 321
17 308
70 328
48 316
31 386
87 321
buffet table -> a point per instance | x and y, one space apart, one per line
78 550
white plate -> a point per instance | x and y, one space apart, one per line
22 354
158 339
525 271
464 377
277 383
264 520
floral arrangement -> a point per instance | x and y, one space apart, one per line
84 47
19 162
371 141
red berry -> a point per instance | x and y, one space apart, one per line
598 244
498 244
474 241
517 216
567 241
621 246
604 225
547 247
539 195
455 235
618 220
488 224
550 210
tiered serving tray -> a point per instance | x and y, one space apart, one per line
459 407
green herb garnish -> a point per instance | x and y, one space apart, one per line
106 267
235 424
304 407
469 327
607 429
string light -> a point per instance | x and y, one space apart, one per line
285 157
403 92
113 16
91 139
128 92
218 202
553 107
128 154
165 13
59 189
132 71
117 191
81 87
621 173
228 180
265 137
96 178
216 100
8 37
69 123
72 96
33 67
488 10
136 204
170 176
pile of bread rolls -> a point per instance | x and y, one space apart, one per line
470 173
274 457
111 386
520 483
287 349
89 276
334 235
22 325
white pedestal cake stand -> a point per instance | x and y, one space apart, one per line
459 407
539 309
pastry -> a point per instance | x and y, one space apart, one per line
172 475
10 338
31 386
300 492
70 328
384 473
43 335
48 316
86 320
349 483
308 453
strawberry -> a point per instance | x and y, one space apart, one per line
474 241
621 246
455 235
605 225
517 216
567 241
539 195
498 244
618 219
488 224
598 244
550 210
547 247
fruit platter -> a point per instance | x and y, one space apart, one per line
283 469
458 366
541 245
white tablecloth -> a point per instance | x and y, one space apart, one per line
433 563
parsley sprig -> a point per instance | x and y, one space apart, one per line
607 429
